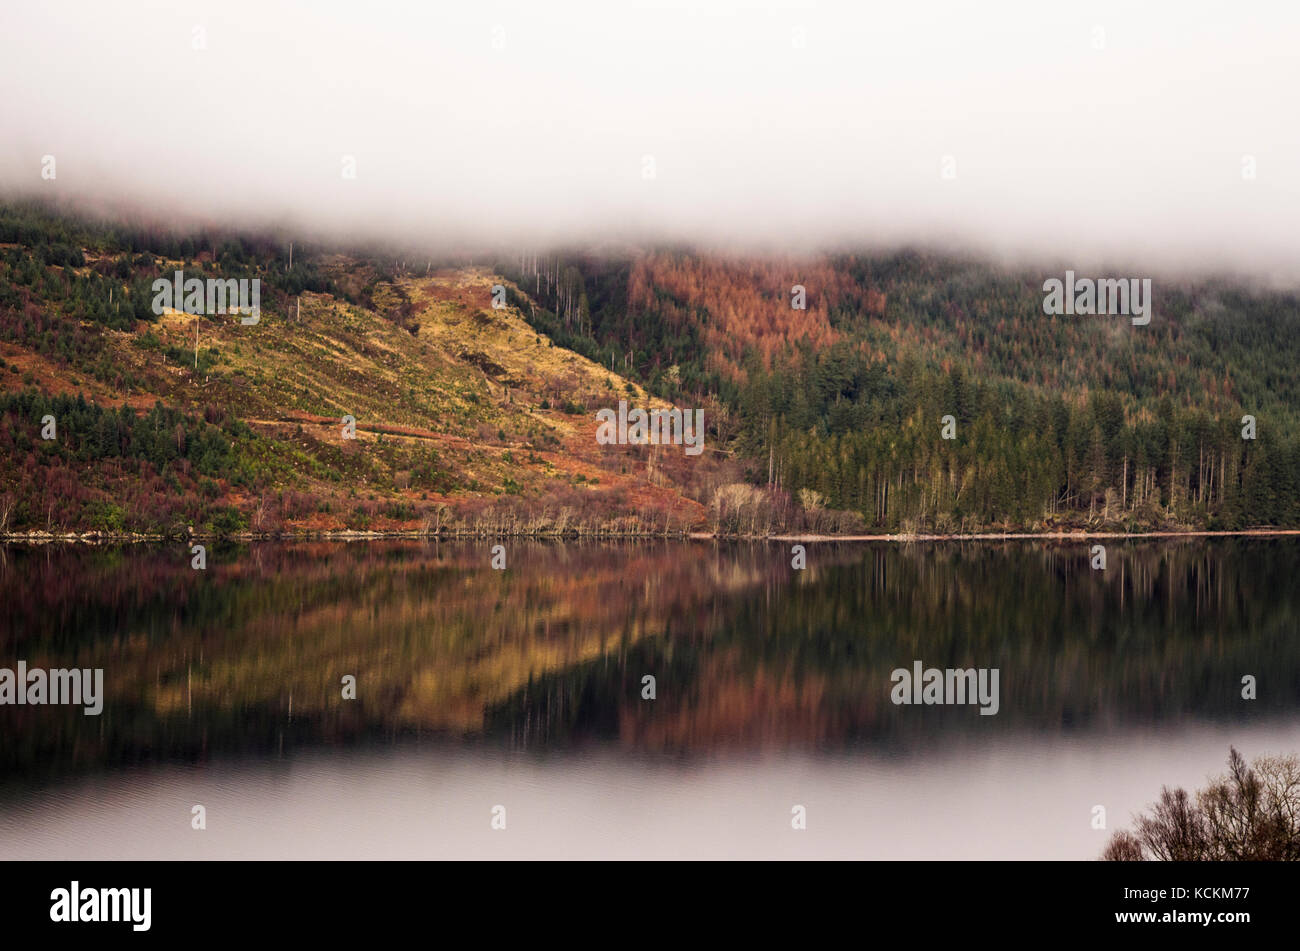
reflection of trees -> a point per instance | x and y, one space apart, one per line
1168 630
253 649
747 652
1165 630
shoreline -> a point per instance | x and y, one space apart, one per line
1019 536
98 538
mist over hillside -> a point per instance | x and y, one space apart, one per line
1152 138
902 392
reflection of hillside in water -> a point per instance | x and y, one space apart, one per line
254 648
1166 632
747 653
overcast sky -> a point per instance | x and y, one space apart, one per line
1098 128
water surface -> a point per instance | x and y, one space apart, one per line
523 688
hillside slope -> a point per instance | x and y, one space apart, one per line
902 393
466 418
1057 422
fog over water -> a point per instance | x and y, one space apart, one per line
1107 133
1024 798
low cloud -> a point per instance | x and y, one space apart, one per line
1162 136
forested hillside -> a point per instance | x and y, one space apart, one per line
464 419
825 417
1075 422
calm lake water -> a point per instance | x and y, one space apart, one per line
522 688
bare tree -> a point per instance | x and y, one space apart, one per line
1250 814
433 519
